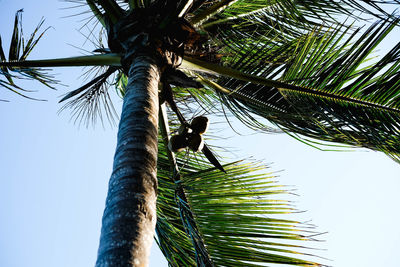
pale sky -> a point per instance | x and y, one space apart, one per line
55 174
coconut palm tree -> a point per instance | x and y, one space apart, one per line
290 62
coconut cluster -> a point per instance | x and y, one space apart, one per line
190 136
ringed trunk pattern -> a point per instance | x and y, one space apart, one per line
130 214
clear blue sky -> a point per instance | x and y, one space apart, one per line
54 174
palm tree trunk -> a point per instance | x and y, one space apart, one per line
130 214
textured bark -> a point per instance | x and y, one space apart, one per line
130 214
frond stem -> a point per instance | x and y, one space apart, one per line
209 24
206 14
225 71
113 11
164 129
96 11
92 60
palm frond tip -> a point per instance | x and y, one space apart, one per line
19 50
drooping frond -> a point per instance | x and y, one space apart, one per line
91 100
238 216
318 87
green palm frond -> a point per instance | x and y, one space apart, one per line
200 208
301 10
19 50
239 23
242 212
318 86
237 215
264 23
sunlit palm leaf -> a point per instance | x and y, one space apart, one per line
238 215
310 9
261 24
254 20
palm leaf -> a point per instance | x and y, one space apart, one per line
91 100
317 87
19 49
263 23
239 209
302 10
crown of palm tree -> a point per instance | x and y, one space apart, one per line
289 62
